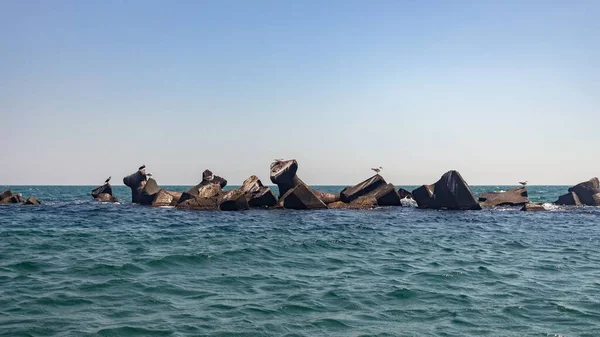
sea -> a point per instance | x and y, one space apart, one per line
75 267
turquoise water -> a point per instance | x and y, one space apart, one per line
73 267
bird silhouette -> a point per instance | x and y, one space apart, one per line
107 180
142 167
377 169
523 183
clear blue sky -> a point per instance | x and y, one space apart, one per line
500 90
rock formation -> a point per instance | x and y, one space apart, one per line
207 178
450 192
104 193
300 197
105 197
257 194
375 188
7 197
32 201
136 182
404 194
515 197
234 200
585 193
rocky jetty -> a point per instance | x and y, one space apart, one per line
515 197
450 192
257 194
585 193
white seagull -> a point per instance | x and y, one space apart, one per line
149 175
377 169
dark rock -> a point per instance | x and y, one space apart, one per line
385 195
105 197
326 197
533 207
516 197
136 182
149 191
588 192
257 194
283 174
350 193
106 188
209 178
32 201
197 203
163 198
300 197
450 192
7 197
570 199
234 200
404 194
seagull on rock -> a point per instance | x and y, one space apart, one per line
142 167
377 169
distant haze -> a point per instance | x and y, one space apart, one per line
502 91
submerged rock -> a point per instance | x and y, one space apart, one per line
106 188
515 197
450 192
32 201
234 200
533 207
198 203
7 197
105 197
257 194
326 197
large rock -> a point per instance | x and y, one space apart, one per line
364 202
202 204
7 197
257 194
300 197
404 194
385 195
283 174
326 197
234 200
588 192
164 198
136 182
516 197
105 197
350 193
106 188
450 192
149 191
570 199
533 207
209 178
32 201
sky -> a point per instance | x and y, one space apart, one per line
502 91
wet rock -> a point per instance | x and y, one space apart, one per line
149 191
533 207
588 192
106 188
105 197
257 194
404 194
450 192
32 201
386 195
164 198
209 178
300 197
364 202
234 200
348 194
569 199
6 194
515 197
136 182
201 204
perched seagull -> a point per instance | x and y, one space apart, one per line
107 180
142 167
523 183
149 175
377 169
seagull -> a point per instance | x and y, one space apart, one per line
107 180
142 167
523 183
377 169
149 175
